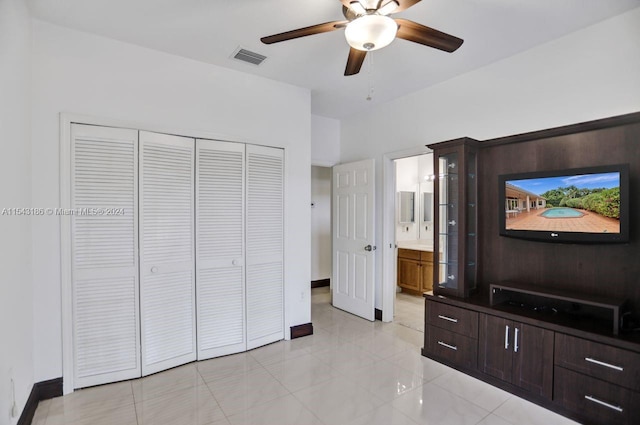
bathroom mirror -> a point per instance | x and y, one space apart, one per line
427 206
406 200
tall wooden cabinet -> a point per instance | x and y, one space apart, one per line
456 217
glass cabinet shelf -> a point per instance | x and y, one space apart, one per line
455 219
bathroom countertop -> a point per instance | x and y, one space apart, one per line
417 245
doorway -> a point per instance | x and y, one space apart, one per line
321 226
413 238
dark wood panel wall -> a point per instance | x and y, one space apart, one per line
603 269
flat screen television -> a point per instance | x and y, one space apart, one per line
581 205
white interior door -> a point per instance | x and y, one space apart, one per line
265 245
353 238
220 176
167 269
104 262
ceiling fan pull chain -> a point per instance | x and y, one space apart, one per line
370 72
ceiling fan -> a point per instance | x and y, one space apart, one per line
368 26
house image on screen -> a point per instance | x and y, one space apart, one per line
518 200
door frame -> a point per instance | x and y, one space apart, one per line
329 165
389 253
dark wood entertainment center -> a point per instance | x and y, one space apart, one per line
538 319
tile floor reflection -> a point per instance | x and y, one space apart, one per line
350 372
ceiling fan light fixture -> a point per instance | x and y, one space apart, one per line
388 8
358 8
371 32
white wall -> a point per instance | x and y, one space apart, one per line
325 153
325 141
90 75
16 287
321 223
590 74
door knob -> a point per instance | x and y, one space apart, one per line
369 248
154 269
234 262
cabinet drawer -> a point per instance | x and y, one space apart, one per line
455 319
451 347
410 254
426 256
601 361
596 401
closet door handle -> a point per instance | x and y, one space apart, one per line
506 337
515 341
154 269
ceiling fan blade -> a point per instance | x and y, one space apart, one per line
354 63
412 31
303 32
347 3
405 4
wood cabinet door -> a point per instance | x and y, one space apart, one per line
426 274
495 352
409 274
533 359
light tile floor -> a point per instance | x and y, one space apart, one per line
350 372
409 311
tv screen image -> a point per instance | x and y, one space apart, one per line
582 205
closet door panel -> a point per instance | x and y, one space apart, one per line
104 202
265 245
220 248
264 304
167 269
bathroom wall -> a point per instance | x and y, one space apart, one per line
413 174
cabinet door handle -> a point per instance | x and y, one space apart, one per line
506 337
598 362
450 319
515 341
450 347
604 403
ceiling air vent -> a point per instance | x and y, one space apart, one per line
248 56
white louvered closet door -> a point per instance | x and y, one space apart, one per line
265 245
104 266
220 248
167 269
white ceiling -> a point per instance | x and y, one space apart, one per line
211 30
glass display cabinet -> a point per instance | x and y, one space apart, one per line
456 217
